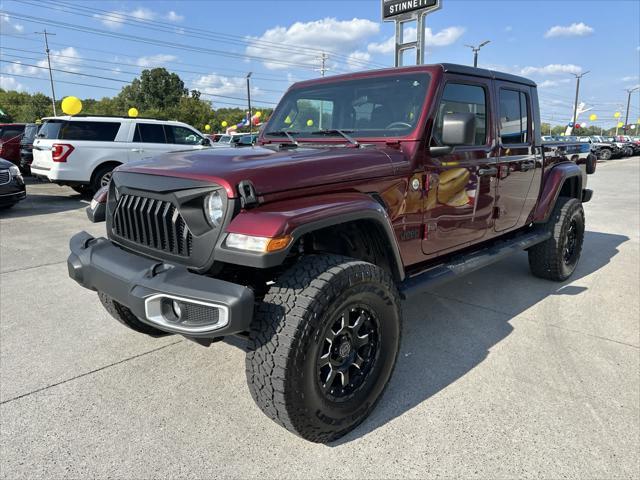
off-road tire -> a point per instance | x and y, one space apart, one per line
126 317
548 259
606 154
286 339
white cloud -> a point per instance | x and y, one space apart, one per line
215 84
65 59
8 25
116 18
552 69
553 83
155 60
174 17
8 83
443 38
574 30
343 36
357 58
631 78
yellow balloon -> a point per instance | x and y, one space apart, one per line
71 105
133 112
309 123
620 124
593 117
617 115
207 127
258 114
224 124
287 120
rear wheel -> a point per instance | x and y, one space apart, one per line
323 345
101 177
557 258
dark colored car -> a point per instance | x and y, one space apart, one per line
10 135
244 140
12 188
363 190
26 146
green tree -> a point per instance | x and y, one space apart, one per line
155 89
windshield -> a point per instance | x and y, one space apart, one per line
30 133
372 107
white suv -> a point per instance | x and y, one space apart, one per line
81 151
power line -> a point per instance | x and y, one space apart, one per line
120 17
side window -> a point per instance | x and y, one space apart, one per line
11 132
182 136
461 98
149 133
91 131
514 117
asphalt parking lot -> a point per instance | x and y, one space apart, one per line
500 374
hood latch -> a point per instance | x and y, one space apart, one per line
248 196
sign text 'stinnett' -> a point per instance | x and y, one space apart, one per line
393 8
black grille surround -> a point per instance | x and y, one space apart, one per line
163 218
153 223
5 176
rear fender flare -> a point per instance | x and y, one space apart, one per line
553 183
301 216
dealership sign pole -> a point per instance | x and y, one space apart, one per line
402 12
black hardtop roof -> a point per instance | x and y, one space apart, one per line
483 72
446 67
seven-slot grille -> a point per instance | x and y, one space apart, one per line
5 176
153 223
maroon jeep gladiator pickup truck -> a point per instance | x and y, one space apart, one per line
363 190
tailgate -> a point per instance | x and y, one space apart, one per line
42 156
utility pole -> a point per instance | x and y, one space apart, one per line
249 100
46 45
626 119
323 70
476 50
575 105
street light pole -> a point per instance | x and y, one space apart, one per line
575 105
46 44
249 99
476 50
626 119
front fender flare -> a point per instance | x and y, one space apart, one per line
553 182
304 215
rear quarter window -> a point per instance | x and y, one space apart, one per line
91 131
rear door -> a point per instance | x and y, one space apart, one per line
149 140
519 160
461 185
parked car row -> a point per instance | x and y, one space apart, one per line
604 147
12 188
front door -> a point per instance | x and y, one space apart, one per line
461 185
519 162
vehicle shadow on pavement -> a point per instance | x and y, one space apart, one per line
447 333
42 204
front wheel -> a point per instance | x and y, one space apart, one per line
557 258
323 345
605 154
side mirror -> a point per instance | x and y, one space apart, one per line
459 129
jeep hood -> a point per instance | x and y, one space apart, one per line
269 170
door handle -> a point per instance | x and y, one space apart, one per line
484 172
137 150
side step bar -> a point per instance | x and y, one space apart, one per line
462 265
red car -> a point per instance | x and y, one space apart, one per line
10 135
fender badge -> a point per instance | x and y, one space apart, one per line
415 184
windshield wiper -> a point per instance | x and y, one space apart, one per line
286 133
343 133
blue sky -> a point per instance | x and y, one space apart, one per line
544 40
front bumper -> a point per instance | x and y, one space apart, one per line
141 284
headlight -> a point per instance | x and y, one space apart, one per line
14 171
257 244
214 208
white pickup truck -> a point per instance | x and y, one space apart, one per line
82 151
